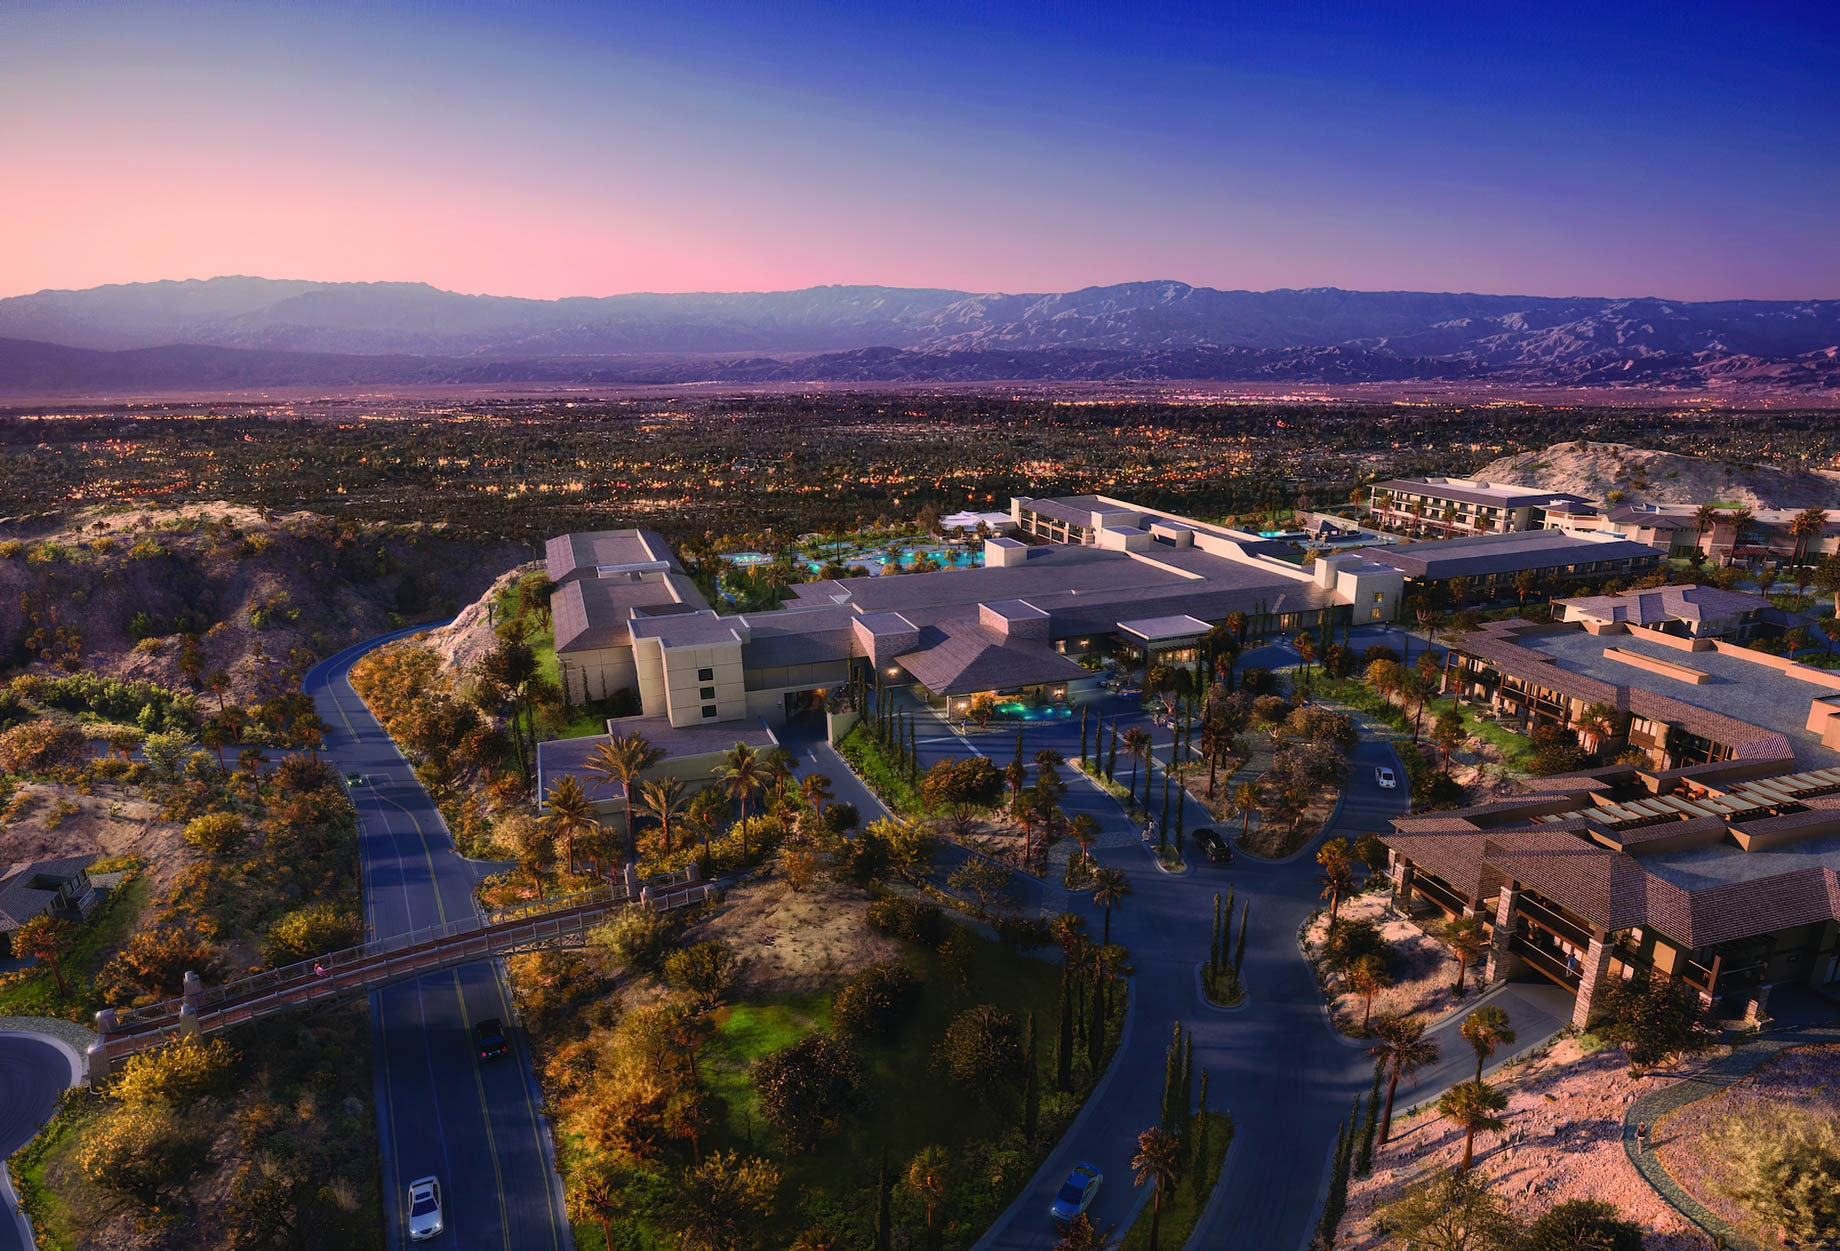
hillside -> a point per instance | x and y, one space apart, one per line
229 332
115 591
1650 477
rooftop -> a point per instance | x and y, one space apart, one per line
583 552
1153 629
1668 603
27 887
569 756
1476 491
961 657
591 612
1480 555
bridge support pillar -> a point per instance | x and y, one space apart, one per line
188 1020
645 897
694 872
632 880
98 1057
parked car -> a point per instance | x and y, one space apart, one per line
489 1036
1386 778
425 1209
1076 1194
1215 846
354 779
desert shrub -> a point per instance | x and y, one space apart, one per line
1024 934
807 1089
41 747
220 833
153 963
178 1074
910 919
707 970
1349 940
143 1150
840 815
873 1003
635 937
312 930
1789 1174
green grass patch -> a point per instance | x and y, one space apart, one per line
59 1214
1182 1210
906 1103
35 992
879 771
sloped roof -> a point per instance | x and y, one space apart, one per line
24 892
1668 603
961 657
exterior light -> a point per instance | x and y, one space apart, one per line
893 672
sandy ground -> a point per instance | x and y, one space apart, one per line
109 822
794 940
1564 1140
1423 968
1807 1078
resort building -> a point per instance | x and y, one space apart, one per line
1714 856
33 888
1490 563
1459 506
1686 611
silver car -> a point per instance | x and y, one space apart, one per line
1384 776
425 1209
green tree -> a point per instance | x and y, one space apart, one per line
313 929
665 801
982 1051
622 760
1452 1211
1652 1019
927 1178
46 938
1484 1030
1473 1107
707 970
807 1089
1338 878
143 1150
220 833
1110 888
742 775
1467 940
982 878
176 1075
1582 1225
1158 1164
1404 1049
1247 798
725 1203
1367 976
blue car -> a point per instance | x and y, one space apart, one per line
1076 1194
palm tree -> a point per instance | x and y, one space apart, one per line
621 760
1805 527
1159 1162
1486 1029
568 813
816 788
779 764
1247 797
1085 832
1337 874
1110 886
1705 517
927 1178
1468 940
742 775
664 801
1738 518
1137 744
703 815
1404 1050
1367 977
1472 1106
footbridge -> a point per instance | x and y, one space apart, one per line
340 975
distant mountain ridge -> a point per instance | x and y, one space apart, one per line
1143 329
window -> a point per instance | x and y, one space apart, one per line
709 712
705 675
708 692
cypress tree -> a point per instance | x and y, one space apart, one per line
1111 759
913 752
1095 1029
1181 816
1213 960
884 1218
1338 1190
1239 944
1198 1162
1083 709
1063 1043
1364 1157
1031 1090
1162 823
1186 1096
1019 762
1172 1077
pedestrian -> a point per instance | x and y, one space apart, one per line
1641 1137
319 970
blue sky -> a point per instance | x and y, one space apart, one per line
1683 150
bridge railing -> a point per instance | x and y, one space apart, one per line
319 969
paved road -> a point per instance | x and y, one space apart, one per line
477 1127
33 1074
1276 1065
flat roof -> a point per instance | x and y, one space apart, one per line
1154 628
582 552
699 629
1476 491
1484 554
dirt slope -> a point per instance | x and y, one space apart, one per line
1644 476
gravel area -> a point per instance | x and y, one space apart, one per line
1564 1140
69 1031
1423 968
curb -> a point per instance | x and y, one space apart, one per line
1245 996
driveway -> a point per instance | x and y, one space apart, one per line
478 1127
34 1073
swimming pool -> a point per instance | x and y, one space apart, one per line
1028 712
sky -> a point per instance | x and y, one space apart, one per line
1681 149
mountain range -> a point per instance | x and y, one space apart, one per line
249 332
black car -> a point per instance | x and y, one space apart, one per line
1215 847
489 1035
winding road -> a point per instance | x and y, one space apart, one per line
477 1127
34 1073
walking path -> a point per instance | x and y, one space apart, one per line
1745 1059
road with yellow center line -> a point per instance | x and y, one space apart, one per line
475 1126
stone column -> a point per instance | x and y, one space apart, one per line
1596 964
1402 880
98 1067
1495 971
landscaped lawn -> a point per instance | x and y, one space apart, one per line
56 1212
907 1104
35 993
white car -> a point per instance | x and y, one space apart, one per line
425 1209
1384 776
